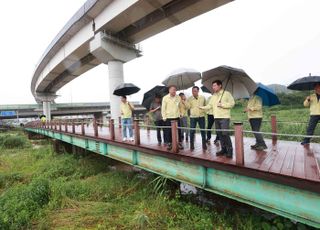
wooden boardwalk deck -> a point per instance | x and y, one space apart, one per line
285 162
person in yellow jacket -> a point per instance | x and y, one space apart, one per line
210 118
126 109
221 103
197 115
312 101
254 112
183 116
170 111
43 119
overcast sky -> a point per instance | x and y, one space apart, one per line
273 41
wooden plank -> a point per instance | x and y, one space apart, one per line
278 162
311 168
299 164
287 166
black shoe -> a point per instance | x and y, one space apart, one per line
169 147
180 146
260 147
216 142
220 153
159 143
208 141
204 145
229 155
253 146
191 146
305 143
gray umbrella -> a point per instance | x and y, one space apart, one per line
305 83
182 78
236 81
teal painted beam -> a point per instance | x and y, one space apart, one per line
293 203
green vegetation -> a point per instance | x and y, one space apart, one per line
42 190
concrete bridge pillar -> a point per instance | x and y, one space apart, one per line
47 109
47 99
114 53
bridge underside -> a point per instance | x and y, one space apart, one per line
69 55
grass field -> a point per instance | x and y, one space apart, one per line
43 190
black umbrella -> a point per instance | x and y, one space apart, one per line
41 116
125 89
305 83
205 89
149 96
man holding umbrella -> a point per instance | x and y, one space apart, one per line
221 103
155 109
126 109
312 101
170 111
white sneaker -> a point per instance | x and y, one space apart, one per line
124 139
131 139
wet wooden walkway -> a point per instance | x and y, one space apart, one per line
285 162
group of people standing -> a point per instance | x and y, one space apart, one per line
217 109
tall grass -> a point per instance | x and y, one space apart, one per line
42 190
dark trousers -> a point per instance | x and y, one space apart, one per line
160 123
313 121
167 131
193 124
225 140
255 124
209 126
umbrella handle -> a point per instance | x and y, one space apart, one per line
224 89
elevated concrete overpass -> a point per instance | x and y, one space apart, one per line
62 109
107 31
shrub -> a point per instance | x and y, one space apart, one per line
13 141
22 203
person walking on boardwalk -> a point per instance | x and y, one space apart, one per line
43 119
170 111
126 109
197 115
254 112
183 116
155 109
221 103
210 119
312 101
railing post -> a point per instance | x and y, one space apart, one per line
55 125
73 128
66 126
95 127
238 134
82 129
111 127
119 120
274 128
136 132
60 126
174 133
51 125
148 123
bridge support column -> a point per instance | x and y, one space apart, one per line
114 53
46 99
47 109
115 79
